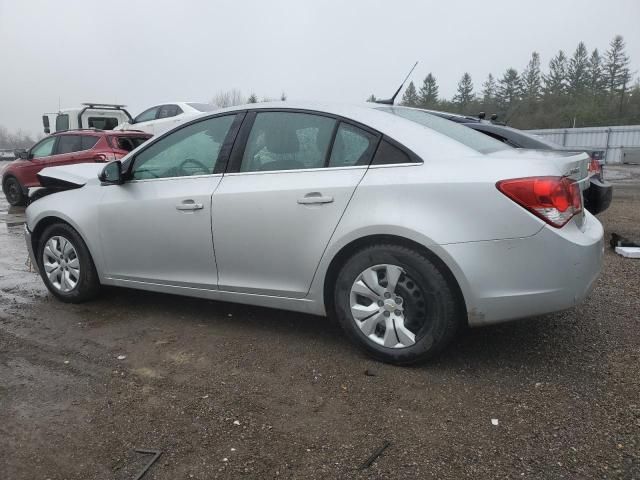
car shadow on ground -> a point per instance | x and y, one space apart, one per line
536 341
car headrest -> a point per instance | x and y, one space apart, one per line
282 140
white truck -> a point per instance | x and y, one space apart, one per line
101 116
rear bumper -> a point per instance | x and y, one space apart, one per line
547 272
597 197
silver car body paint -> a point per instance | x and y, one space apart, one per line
253 241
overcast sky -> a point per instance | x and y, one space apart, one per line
143 53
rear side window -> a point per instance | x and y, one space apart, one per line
388 154
287 141
102 123
88 142
69 144
167 111
477 141
352 146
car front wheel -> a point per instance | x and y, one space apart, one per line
13 192
65 264
396 304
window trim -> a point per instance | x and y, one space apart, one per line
235 160
223 155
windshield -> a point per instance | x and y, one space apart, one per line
468 137
203 107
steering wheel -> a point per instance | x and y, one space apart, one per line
198 166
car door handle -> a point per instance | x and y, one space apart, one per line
314 197
189 205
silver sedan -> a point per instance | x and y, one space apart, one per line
403 225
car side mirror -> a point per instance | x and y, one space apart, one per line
112 174
21 153
45 124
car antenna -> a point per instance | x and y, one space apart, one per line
392 99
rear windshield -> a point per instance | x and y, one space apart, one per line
203 107
468 137
128 142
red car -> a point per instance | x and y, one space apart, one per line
65 148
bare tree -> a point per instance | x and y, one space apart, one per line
228 98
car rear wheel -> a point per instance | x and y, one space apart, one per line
13 192
396 304
65 264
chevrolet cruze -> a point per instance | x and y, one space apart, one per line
403 225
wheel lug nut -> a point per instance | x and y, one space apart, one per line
398 312
380 303
398 300
386 314
387 295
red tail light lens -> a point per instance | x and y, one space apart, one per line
554 199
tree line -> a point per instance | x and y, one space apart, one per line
17 139
585 89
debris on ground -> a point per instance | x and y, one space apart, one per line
374 456
494 422
628 252
121 357
156 455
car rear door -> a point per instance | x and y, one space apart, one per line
285 191
157 225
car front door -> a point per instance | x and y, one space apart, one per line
156 227
39 157
282 197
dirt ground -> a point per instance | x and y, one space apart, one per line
231 391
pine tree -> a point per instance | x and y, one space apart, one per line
410 97
616 66
555 82
531 80
595 82
509 89
464 95
252 98
428 95
577 72
283 96
489 90
372 98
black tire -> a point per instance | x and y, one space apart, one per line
87 283
437 315
13 191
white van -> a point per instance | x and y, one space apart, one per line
101 116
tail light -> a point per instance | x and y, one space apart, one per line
105 157
554 199
594 167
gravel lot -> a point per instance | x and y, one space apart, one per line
230 391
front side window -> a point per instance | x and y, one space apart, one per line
287 141
352 146
62 122
477 141
44 148
69 144
147 115
192 150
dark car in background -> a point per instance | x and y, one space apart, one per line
597 197
65 148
